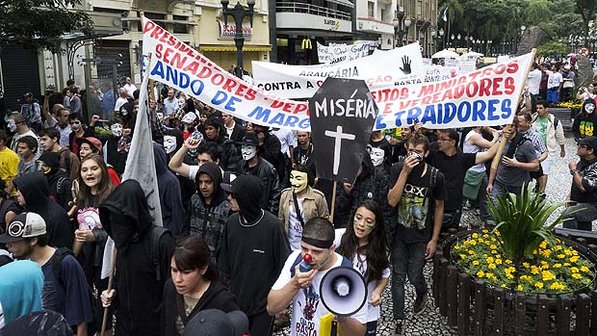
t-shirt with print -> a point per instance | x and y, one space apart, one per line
541 127
416 207
295 227
69 296
307 308
516 177
454 169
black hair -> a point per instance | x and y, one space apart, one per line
319 228
75 116
375 250
29 141
193 253
51 132
3 136
42 240
527 116
543 103
418 139
213 121
452 134
210 149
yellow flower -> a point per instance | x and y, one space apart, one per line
462 256
576 275
566 264
547 276
485 231
504 285
574 259
492 246
471 252
584 269
473 242
557 286
557 265
534 269
480 274
543 245
519 288
490 260
544 265
491 266
498 261
539 285
494 252
558 247
526 265
480 240
475 262
561 256
546 253
574 269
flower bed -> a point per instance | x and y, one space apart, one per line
553 269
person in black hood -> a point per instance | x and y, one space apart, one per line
585 121
253 243
58 180
173 215
33 193
208 208
139 282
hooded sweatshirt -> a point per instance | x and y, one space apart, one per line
36 193
585 123
217 296
170 197
58 180
126 218
208 220
21 284
254 244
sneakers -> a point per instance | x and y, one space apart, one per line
420 304
398 331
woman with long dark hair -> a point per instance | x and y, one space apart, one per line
363 242
94 187
194 286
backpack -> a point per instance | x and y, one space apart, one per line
299 258
155 235
555 121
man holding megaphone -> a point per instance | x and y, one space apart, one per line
303 282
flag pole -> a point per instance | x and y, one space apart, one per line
333 202
112 272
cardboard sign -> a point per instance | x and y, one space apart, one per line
342 117
335 53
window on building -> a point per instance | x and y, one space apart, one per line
156 16
371 9
383 15
180 28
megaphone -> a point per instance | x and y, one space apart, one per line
343 291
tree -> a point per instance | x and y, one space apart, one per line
552 48
586 9
41 23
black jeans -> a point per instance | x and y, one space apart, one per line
408 260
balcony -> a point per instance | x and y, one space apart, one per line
296 7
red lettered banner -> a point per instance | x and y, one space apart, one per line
485 97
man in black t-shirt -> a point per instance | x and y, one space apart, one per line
454 164
418 193
584 173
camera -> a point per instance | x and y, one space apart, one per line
418 156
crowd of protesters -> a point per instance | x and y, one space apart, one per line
241 206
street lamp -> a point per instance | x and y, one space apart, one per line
238 12
401 25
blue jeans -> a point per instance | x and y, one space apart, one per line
407 259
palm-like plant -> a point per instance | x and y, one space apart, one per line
522 223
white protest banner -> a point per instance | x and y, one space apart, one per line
484 97
397 67
335 53
468 65
180 66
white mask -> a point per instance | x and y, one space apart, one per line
589 108
116 130
12 126
377 156
169 143
248 152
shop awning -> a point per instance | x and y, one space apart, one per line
233 48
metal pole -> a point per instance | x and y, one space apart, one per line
114 75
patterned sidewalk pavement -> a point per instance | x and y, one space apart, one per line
430 322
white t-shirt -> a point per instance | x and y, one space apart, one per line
287 139
130 89
554 80
295 228
307 308
534 81
359 263
119 102
170 106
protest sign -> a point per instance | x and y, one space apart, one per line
484 97
438 73
342 117
397 67
468 65
335 53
